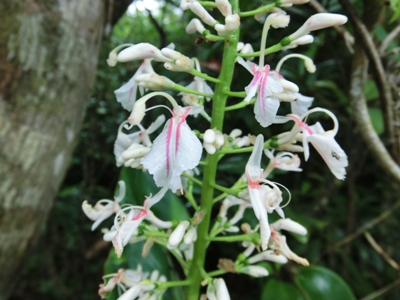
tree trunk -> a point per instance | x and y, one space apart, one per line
48 59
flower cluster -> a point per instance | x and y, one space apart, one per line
173 154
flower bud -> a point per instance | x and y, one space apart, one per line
137 113
209 136
224 7
141 51
177 235
239 46
289 86
286 97
255 271
181 63
289 225
278 20
135 151
221 289
112 59
190 236
318 21
232 22
154 81
201 12
268 255
195 25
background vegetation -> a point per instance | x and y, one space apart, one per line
342 217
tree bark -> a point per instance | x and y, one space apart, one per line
48 59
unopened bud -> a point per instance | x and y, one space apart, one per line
209 136
289 225
137 113
224 7
177 235
154 81
201 12
181 63
255 271
318 21
190 236
141 51
289 86
195 25
278 20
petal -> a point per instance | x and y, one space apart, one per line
301 105
266 109
247 64
126 94
253 87
253 166
273 85
174 151
332 154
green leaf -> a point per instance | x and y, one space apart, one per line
322 284
276 289
376 117
371 90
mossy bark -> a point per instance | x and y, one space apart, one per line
48 54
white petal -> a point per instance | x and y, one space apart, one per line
266 109
126 94
174 151
253 168
332 154
247 64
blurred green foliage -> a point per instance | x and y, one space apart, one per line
69 260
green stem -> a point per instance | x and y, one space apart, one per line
168 284
235 238
208 3
183 89
190 198
272 49
216 273
194 72
229 191
236 94
240 105
192 292
260 10
195 180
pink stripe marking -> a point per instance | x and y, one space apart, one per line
263 87
169 135
300 123
141 214
178 129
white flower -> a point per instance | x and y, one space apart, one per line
213 139
265 84
103 208
264 198
129 149
175 150
323 141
